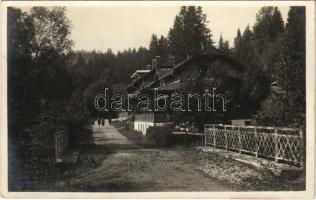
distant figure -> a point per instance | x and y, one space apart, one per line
99 121
110 120
102 122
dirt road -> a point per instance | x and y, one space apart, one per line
111 162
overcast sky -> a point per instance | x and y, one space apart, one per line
125 27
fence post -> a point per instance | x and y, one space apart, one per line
239 139
214 133
205 131
303 149
226 141
276 149
257 142
185 139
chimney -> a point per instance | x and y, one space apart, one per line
153 64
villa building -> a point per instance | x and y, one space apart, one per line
168 78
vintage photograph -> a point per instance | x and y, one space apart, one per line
156 98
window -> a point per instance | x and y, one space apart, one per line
202 70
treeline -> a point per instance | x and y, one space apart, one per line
183 40
188 36
272 53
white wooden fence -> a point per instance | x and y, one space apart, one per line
286 144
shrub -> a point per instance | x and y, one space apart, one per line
117 124
162 136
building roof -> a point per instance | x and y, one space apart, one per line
140 72
209 57
164 72
151 76
171 86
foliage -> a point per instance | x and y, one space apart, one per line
275 112
257 50
162 136
159 47
289 69
223 46
189 34
39 88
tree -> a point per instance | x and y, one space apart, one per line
257 51
39 85
37 54
255 83
238 38
268 25
20 81
154 46
50 46
159 47
189 34
221 42
268 28
290 73
223 46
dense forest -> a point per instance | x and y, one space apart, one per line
50 85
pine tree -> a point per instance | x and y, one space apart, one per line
153 45
223 46
255 85
266 32
175 36
290 76
159 47
291 73
237 45
221 42
189 34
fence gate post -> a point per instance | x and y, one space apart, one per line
226 141
276 149
257 142
239 139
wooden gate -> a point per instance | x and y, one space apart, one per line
61 143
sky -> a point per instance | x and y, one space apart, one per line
123 27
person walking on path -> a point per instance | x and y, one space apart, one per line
110 120
102 121
99 121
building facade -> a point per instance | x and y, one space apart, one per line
169 78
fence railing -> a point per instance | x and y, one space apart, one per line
284 144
